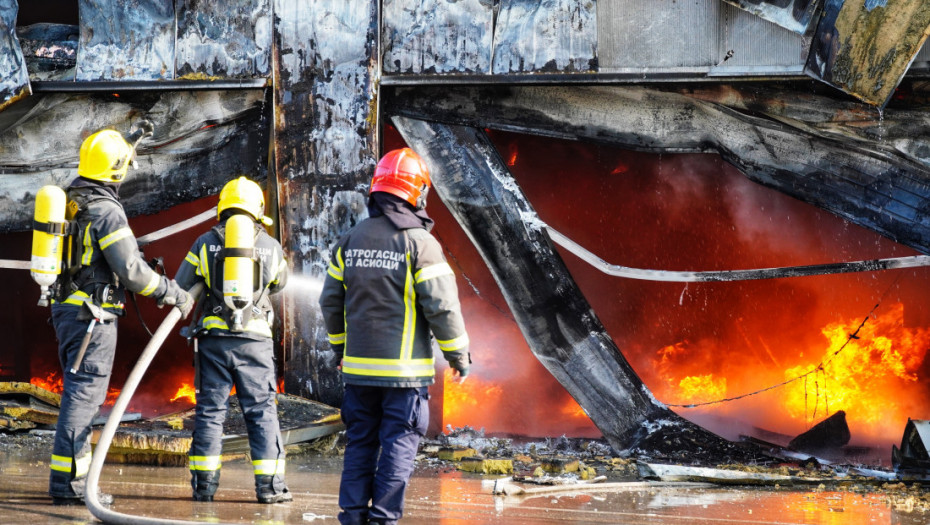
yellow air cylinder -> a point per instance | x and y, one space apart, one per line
238 267
45 265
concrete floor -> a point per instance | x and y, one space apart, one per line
435 496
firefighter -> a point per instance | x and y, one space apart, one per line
89 299
388 287
233 340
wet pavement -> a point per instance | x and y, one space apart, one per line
437 494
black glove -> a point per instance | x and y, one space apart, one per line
461 364
177 297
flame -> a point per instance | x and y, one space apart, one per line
488 404
186 391
872 376
461 400
620 168
701 389
512 159
572 409
112 396
53 382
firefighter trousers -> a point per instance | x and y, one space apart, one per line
384 420
249 365
83 393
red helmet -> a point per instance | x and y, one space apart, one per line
403 173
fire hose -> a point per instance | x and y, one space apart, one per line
91 493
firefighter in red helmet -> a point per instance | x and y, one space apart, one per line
387 289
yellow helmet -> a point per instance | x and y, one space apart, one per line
243 194
105 156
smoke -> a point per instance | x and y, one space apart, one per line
682 212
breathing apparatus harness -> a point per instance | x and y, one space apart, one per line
239 303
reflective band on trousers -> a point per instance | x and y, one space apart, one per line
63 464
208 463
268 467
366 366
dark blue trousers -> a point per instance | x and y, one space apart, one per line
383 430
249 365
84 391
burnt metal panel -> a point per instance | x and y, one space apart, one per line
636 36
14 77
325 151
696 38
230 39
202 139
50 50
131 40
437 36
795 15
876 178
533 36
751 45
864 47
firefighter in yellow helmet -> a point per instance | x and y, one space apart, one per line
240 266
89 299
387 289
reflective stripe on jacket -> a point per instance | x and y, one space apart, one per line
109 247
385 291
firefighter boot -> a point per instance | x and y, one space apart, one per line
271 489
204 484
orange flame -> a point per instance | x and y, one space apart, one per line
52 382
704 388
112 396
461 400
185 392
873 377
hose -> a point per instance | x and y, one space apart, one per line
91 495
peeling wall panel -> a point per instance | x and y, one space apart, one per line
14 77
325 153
437 36
126 40
837 169
229 39
794 15
864 47
541 36
202 139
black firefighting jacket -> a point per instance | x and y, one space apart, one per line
204 262
107 251
385 291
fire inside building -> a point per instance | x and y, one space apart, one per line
707 217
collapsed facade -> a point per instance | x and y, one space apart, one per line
822 101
